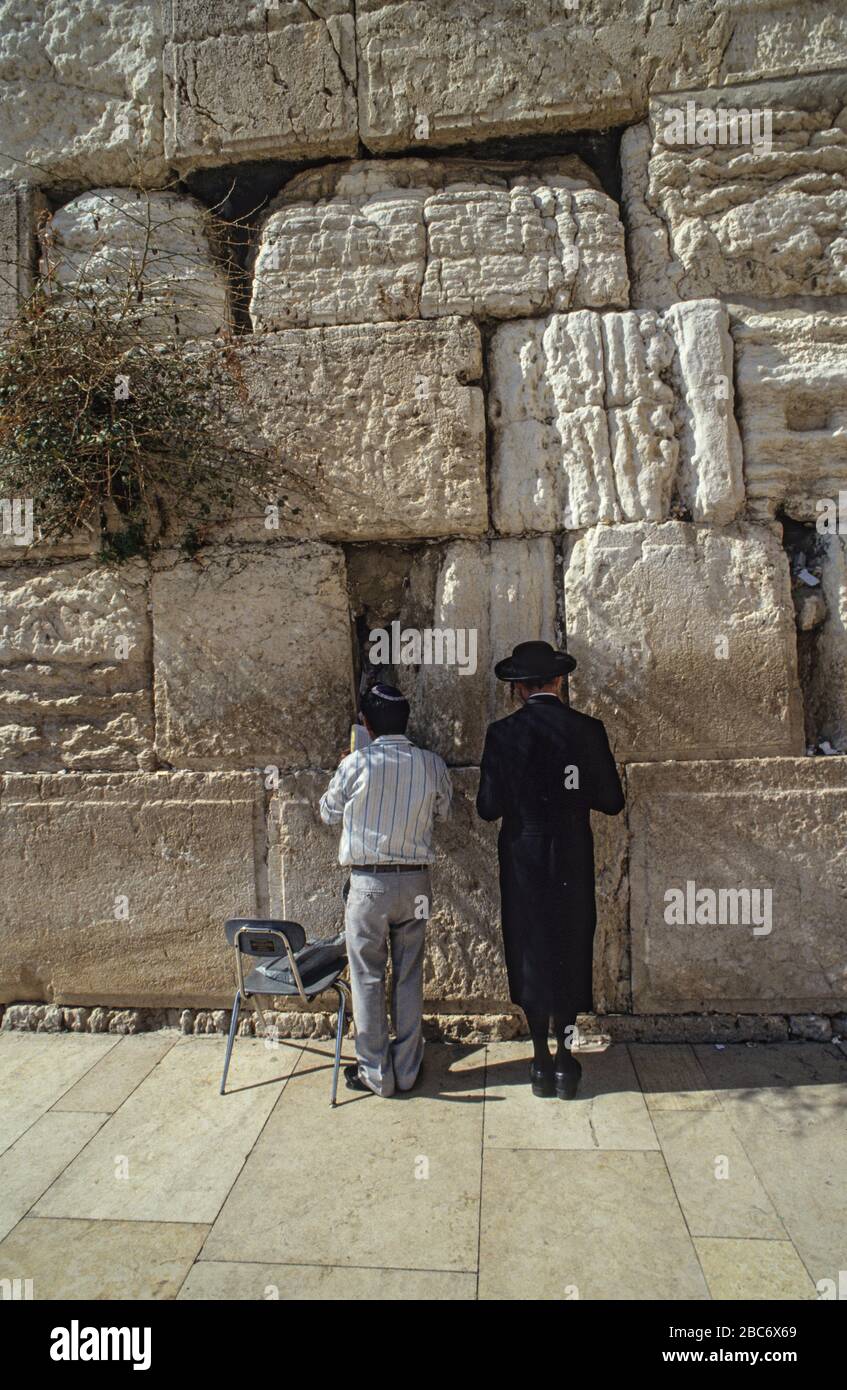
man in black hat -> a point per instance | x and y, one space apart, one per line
544 768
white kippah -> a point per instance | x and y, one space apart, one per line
386 692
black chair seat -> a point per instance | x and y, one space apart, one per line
320 965
314 981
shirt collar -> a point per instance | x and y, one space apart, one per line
391 738
543 695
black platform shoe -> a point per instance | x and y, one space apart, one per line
354 1081
567 1078
541 1080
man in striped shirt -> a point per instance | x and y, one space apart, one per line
386 796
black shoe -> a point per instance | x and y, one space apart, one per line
541 1080
567 1078
354 1081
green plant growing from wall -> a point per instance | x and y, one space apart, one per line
113 426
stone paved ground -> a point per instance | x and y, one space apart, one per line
124 1174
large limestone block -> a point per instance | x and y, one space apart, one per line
464 958
21 207
109 243
614 417
685 640
258 81
120 885
75 668
456 71
763 219
81 88
792 392
371 241
491 595
464 967
827 692
612 958
380 424
252 657
775 826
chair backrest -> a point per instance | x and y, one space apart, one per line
259 938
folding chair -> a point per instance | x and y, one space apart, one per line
299 968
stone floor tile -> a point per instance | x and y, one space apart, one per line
174 1148
388 1183
78 1260
608 1113
559 1225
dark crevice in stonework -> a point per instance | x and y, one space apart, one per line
389 583
805 548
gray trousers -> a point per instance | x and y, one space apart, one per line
387 913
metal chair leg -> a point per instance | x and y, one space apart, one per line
231 1039
339 1035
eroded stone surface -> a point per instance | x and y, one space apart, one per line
456 71
792 393
761 219
112 241
133 875
378 423
685 640
253 81
608 417
81 88
371 241
75 668
252 657
772 824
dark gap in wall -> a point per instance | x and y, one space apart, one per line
239 194
599 149
390 582
806 550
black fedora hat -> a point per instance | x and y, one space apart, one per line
533 661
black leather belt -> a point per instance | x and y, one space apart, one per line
388 868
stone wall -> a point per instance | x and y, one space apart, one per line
535 371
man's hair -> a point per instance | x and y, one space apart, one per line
386 709
536 682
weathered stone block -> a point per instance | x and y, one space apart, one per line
613 417
81 87
685 640
252 657
733 827
107 242
75 668
499 593
20 209
792 391
612 955
380 424
464 954
456 71
760 219
120 885
258 81
407 238
464 957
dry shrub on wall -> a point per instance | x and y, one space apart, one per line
109 420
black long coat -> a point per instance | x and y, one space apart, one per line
546 848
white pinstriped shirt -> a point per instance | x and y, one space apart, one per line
386 796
